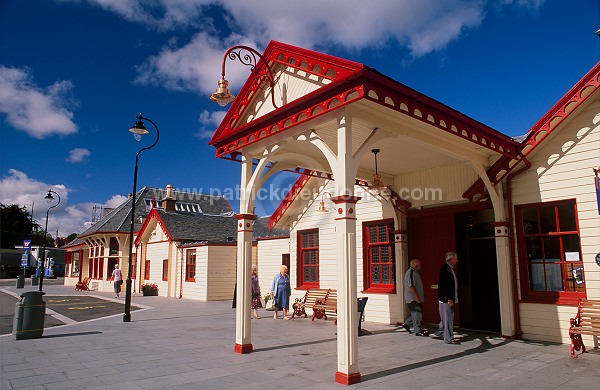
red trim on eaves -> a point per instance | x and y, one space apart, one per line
568 104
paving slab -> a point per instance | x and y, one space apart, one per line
183 344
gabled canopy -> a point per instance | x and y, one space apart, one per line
310 85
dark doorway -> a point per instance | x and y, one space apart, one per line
477 270
432 233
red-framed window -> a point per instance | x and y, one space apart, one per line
550 259
113 247
379 259
147 270
190 265
165 270
308 258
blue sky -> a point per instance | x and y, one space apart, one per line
75 73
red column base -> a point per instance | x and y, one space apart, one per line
347 379
242 348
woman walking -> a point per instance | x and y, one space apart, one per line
256 303
281 291
117 280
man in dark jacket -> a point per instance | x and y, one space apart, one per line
447 298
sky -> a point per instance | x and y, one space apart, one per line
74 74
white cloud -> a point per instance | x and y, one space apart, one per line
419 26
38 112
78 155
18 188
209 121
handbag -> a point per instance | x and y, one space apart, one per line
270 304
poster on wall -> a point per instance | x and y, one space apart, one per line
578 275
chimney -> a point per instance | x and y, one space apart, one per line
168 203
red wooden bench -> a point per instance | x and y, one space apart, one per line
311 297
83 284
327 306
587 322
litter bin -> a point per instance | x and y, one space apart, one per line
20 281
34 280
29 316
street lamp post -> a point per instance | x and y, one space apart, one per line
49 198
138 130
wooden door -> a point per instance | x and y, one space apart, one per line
429 238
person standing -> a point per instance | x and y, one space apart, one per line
256 303
117 280
448 298
414 296
281 291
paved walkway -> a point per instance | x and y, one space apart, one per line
183 344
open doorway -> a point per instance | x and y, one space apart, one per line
470 233
478 271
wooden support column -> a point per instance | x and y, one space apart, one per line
507 309
243 337
345 224
243 334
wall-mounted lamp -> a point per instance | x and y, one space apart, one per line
322 208
377 183
223 95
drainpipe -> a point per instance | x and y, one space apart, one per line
513 255
181 275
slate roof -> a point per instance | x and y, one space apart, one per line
118 220
195 228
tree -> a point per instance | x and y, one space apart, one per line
17 225
16 219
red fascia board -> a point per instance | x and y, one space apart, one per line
289 197
590 78
282 113
153 214
342 67
440 107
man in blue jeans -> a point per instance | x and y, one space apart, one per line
447 298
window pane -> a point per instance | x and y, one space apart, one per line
571 243
375 254
566 218
536 276
375 276
385 277
385 253
373 234
547 219
552 249
530 221
381 234
534 248
554 277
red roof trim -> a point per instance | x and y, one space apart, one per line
288 199
576 96
368 84
153 214
320 64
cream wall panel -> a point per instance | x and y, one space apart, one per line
451 180
197 290
269 262
156 253
561 169
221 274
384 308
